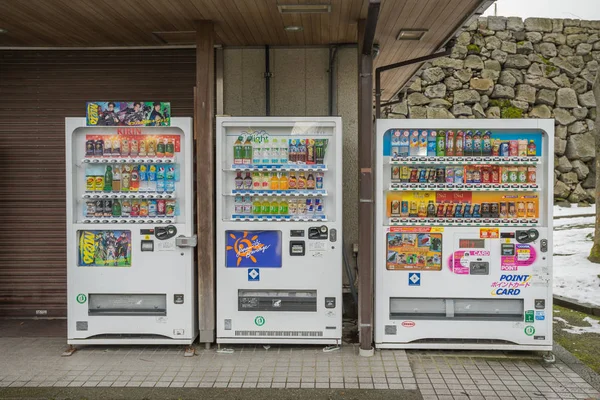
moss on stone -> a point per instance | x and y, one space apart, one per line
550 69
544 60
511 112
595 254
521 42
473 48
502 103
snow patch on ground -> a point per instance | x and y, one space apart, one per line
573 210
578 330
574 276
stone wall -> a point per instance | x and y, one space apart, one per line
509 68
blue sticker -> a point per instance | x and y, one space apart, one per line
253 274
540 315
253 249
414 279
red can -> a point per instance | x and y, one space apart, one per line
495 174
440 210
160 207
486 174
513 148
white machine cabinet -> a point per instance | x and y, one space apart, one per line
279 230
464 234
130 234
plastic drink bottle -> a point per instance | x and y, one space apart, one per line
170 179
266 152
239 181
275 152
143 178
256 206
134 185
283 152
160 178
116 182
265 181
238 151
248 182
274 207
256 152
283 207
274 181
247 151
108 178
152 178
283 182
125 178
256 181
266 207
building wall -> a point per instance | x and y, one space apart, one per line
38 89
299 87
509 68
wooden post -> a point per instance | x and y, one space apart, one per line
366 181
205 192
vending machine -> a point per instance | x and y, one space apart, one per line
130 233
279 230
464 234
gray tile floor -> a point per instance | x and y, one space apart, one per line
37 362
26 362
447 376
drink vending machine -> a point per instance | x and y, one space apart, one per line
279 227
130 234
464 234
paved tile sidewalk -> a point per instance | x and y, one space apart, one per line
36 362
442 376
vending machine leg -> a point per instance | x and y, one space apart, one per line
190 351
69 351
207 346
549 357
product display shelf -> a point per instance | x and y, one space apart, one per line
461 222
466 187
475 160
133 220
278 218
128 160
280 193
278 167
136 195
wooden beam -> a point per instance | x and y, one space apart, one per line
366 188
203 122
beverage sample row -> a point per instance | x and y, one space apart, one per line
278 181
279 152
421 209
115 146
130 208
148 178
457 144
265 206
464 174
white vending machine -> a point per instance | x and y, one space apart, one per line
130 234
279 230
464 234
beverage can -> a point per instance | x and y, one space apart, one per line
504 175
531 149
301 207
450 175
459 175
310 206
440 210
477 145
431 175
395 172
143 148
238 205
404 208
125 147
503 211
521 209
531 174
486 146
459 144
513 148
450 143
126 208
89 148
495 170
170 208
151 144
440 147
468 148
467 211
134 147
476 211
160 207
90 208
160 148
98 148
319 184
440 175
458 211
90 183
152 208
449 210
404 173
144 208
107 147
513 175
99 183
395 208
512 209
414 175
496 147
135 208
292 207
423 175
485 175
108 208
530 209
522 147
494 210
504 149
522 175
99 212
485 210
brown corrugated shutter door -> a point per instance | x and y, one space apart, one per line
38 89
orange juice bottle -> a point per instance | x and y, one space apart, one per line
274 181
283 182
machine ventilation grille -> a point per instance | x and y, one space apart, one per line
464 341
280 333
128 336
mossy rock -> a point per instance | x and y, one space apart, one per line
511 112
550 69
502 103
473 49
